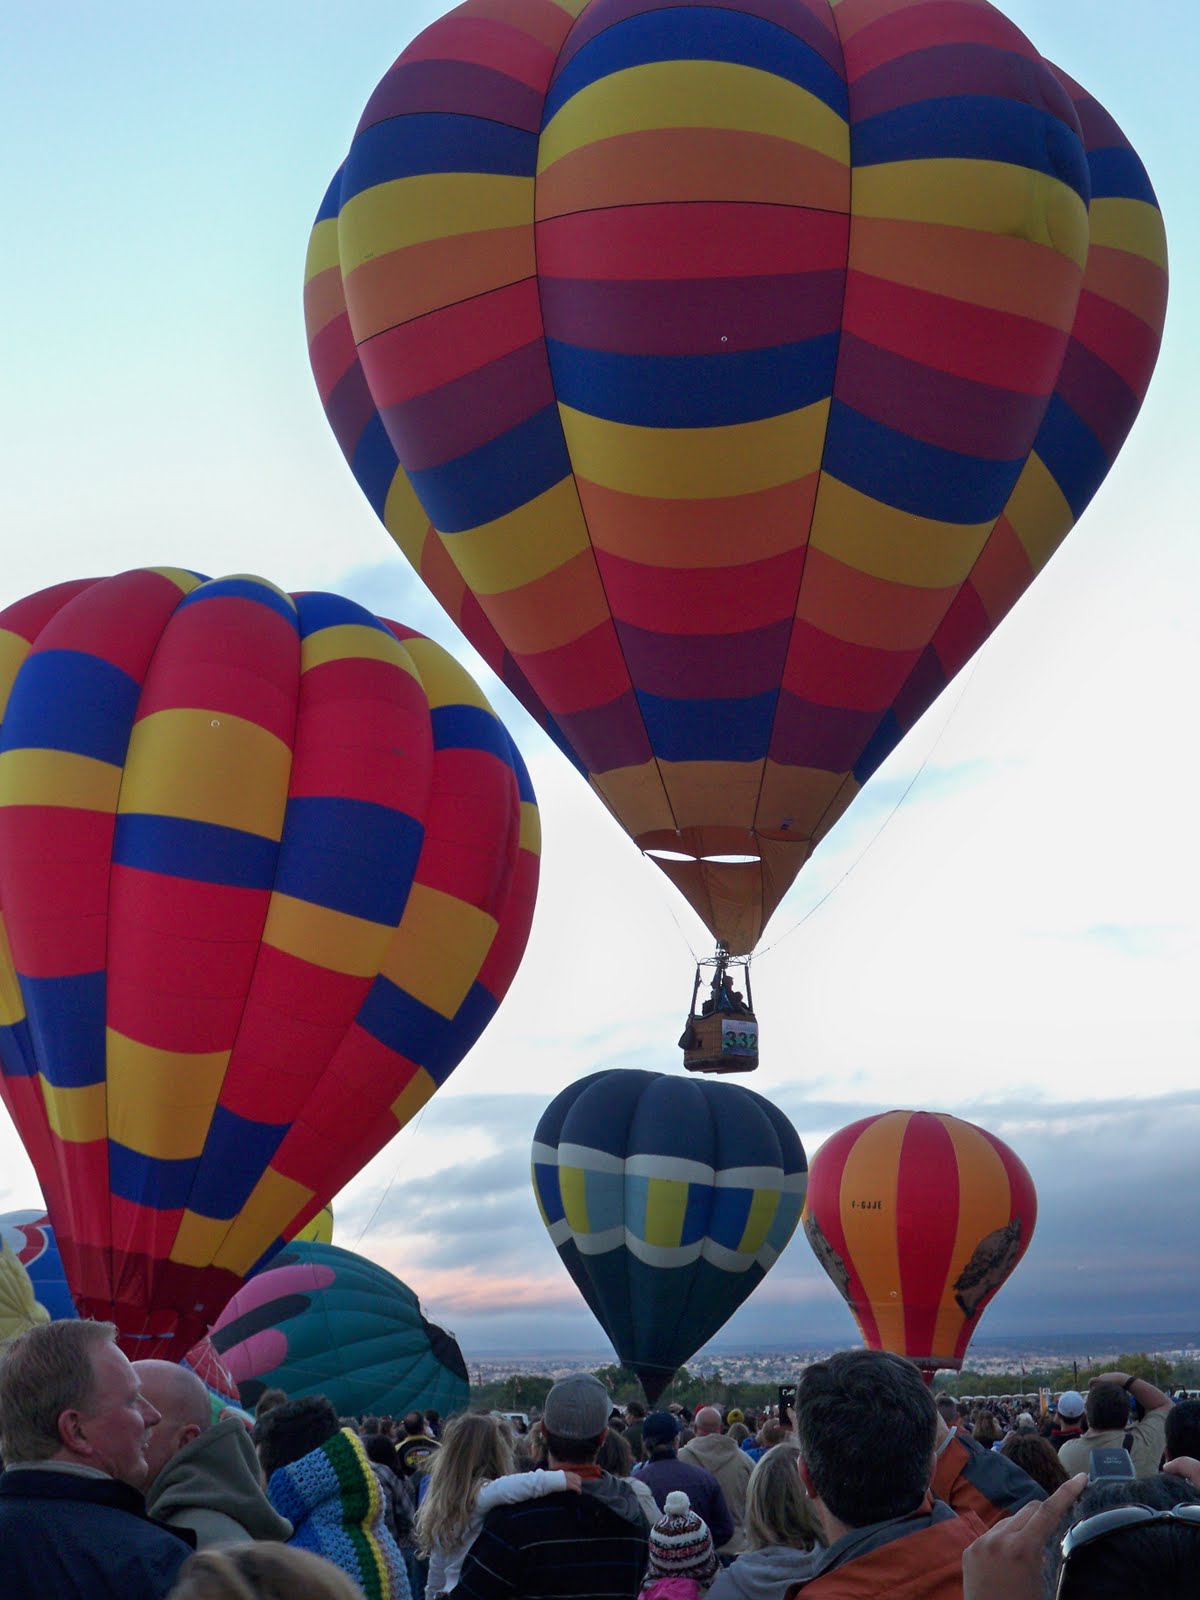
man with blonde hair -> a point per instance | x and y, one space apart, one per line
74 1430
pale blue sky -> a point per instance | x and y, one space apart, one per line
1024 931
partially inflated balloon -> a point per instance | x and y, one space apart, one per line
321 1320
668 1201
727 374
19 1310
320 1229
918 1219
30 1236
267 867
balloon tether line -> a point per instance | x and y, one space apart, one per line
391 1181
833 888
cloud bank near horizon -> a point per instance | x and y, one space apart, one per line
1113 1247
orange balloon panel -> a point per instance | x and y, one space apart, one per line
918 1218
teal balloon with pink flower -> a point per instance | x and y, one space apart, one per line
322 1320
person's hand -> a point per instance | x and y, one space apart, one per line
574 1481
1119 1378
1185 1467
1007 1562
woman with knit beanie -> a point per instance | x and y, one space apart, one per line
682 1560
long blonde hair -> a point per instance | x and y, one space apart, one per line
778 1510
475 1449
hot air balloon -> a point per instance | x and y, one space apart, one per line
30 1236
19 1309
320 1229
918 1218
321 1320
668 1199
727 375
267 866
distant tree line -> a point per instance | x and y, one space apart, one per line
527 1391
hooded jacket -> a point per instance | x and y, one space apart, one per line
765 1574
213 1487
334 1503
731 1467
918 1557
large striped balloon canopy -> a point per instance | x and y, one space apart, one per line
324 1321
918 1218
267 867
727 371
668 1201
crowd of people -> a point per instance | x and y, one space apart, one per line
119 1484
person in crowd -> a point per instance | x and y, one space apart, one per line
263 1572
1125 1539
948 1410
1110 1425
782 1535
570 1545
867 1427
663 1471
417 1447
267 1401
472 1472
986 1432
1183 1429
1037 1457
74 1433
319 1478
433 1423
202 1475
770 1433
717 1453
614 1457
635 1415
681 1562
398 1507
1068 1418
738 1432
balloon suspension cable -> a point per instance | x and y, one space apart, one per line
874 839
391 1183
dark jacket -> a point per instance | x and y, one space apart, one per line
79 1538
665 1471
587 1546
918 1557
969 1478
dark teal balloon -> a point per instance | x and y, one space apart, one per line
321 1320
668 1199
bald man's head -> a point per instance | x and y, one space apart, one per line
706 1420
185 1406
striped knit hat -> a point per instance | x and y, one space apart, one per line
680 1543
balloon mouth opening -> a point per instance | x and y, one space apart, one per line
723 861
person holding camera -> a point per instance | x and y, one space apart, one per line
1110 1426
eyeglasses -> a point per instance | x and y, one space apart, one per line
1105 1523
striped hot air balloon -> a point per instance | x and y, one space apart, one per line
668 1200
267 867
918 1218
728 372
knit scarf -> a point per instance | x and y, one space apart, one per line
333 1501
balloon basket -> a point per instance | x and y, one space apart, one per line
723 1044
722 1036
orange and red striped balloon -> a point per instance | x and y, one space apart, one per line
918 1218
